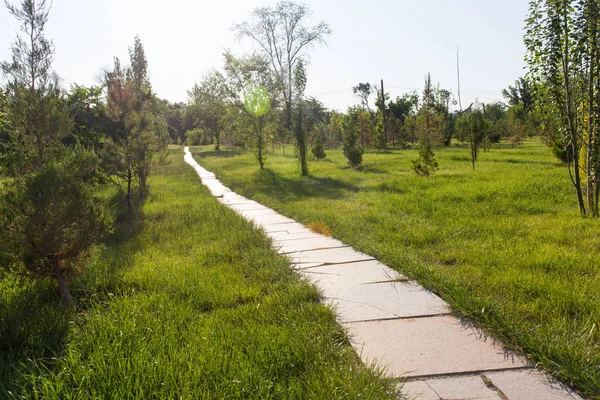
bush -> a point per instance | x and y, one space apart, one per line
195 137
317 148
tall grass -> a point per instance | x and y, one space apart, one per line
187 302
504 244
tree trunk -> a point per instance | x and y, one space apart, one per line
569 112
128 196
62 284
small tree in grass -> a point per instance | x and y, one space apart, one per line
380 134
352 150
257 104
473 126
318 149
49 216
427 124
50 219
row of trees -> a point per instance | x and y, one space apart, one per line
58 148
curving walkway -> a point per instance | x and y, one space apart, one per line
394 321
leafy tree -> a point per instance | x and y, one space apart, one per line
88 112
128 154
495 113
318 149
521 93
282 36
473 126
210 100
352 150
396 131
195 137
404 106
257 105
364 126
251 80
428 123
300 131
564 61
380 133
363 91
336 128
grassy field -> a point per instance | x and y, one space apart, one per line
190 302
504 244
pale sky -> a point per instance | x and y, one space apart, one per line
399 41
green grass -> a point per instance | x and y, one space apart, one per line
190 302
504 244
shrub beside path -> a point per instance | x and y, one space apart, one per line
393 321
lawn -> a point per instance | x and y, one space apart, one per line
187 302
504 244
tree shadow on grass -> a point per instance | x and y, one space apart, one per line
34 322
285 189
217 154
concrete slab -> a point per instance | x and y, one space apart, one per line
229 200
353 273
458 387
530 384
251 206
318 243
418 390
369 302
284 236
255 213
429 346
291 227
266 221
330 256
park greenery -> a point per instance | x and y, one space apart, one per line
112 255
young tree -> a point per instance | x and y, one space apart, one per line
427 124
562 40
473 126
380 133
352 150
128 153
300 131
209 101
49 216
50 219
257 105
364 126
254 94
282 36
318 149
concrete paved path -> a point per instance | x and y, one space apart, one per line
395 322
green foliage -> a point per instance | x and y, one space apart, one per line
474 127
195 137
281 34
380 134
353 151
318 149
426 164
562 39
209 104
49 219
129 155
429 124
363 91
90 122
